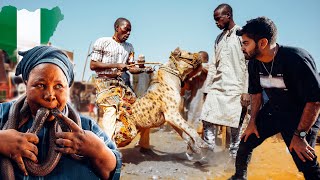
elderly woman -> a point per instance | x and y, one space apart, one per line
86 152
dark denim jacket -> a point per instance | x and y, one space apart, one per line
67 168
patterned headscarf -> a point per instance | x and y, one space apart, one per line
44 54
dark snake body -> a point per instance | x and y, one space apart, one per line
53 157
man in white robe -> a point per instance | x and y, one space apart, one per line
226 85
192 91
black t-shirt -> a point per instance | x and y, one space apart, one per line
295 79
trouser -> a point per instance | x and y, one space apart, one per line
234 140
110 94
108 123
269 123
126 78
210 131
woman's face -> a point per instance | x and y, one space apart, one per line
47 86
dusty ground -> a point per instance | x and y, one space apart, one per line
270 161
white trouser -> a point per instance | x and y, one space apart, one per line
108 123
234 141
209 135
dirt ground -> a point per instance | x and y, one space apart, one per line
270 161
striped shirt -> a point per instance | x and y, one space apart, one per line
107 50
67 168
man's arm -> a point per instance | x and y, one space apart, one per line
309 116
137 70
100 66
304 76
256 100
245 97
212 70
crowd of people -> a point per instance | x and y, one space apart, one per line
276 86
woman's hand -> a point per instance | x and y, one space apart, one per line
78 141
17 145
87 144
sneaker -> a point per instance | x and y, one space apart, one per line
203 160
233 155
189 156
237 178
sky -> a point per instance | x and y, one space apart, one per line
159 26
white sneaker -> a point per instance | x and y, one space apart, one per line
189 156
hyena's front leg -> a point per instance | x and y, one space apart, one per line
195 142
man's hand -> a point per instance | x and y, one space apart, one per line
302 148
16 145
251 129
205 96
122 67
136 70
245 99
149 70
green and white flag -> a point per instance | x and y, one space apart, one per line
22 29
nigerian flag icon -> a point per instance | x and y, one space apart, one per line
22 29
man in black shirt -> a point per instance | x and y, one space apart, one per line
289 77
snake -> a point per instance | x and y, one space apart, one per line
53 157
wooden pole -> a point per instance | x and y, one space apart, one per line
155 63
85 65
224 137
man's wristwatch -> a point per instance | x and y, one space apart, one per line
301 134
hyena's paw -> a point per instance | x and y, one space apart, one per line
202 144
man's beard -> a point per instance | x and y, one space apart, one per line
252 54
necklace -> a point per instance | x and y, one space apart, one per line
270 75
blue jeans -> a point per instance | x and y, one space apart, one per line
126 78
270 122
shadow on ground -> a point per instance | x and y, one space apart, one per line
168 160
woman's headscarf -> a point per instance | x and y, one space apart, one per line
44 54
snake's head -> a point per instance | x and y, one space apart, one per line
56 112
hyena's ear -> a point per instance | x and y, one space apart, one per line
176 52
197 60
190 58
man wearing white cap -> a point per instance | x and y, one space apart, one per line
141 81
